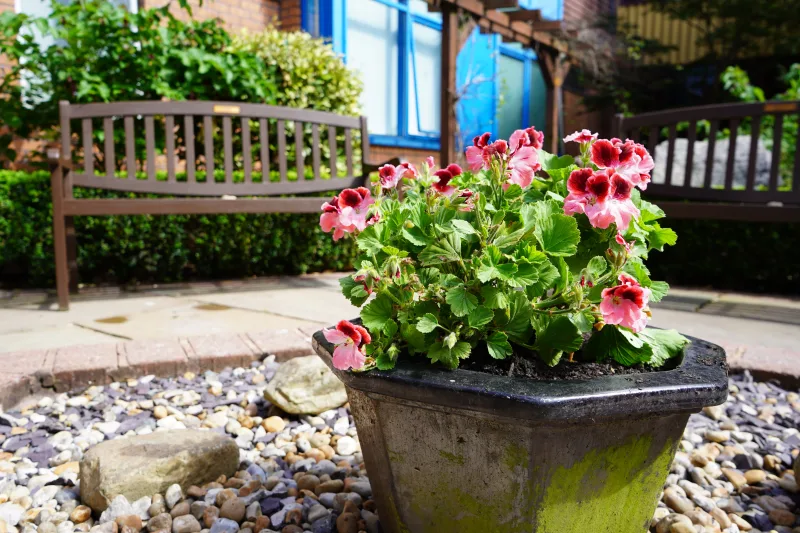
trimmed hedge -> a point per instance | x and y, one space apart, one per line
740 256
737 256
145 248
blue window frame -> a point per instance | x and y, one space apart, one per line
395 47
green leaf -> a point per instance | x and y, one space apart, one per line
427 323
515 320
527 274
552 161
463 227
461 301
388 358
449 357
493 297
390 328
546 271
375 314
620 345
557 233
665 343
513 191
658 289
416 236
450 340
436 254
350 290
369 241
498 345
583 320
659 237
650 212
555 335
480 316
597 266
491 267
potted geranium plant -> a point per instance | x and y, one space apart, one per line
501 375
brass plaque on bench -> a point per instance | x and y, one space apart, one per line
227 109
780 107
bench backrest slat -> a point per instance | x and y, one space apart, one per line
746 171
233 124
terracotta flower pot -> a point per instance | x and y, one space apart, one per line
463 451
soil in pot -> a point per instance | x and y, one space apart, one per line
525 364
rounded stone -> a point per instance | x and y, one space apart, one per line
308 482
305 385
80 514
346 446
160 522
347 523
180 509
233 509
185 524
782 517
132 521
173 495
334 485
210 515
274 424
755 476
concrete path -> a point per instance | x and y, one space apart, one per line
758 332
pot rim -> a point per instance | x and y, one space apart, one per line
700 380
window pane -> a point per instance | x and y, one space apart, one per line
509 112
538 98
426 61
372 42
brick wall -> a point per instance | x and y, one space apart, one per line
253 15
379 154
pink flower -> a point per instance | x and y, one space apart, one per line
629 159
391 175
469 201
625 244
430 162
346 213
602 198
527 137
625 304
522 166
349 340
442 186
583 136
475 158
645 164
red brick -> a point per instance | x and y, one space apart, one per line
14 388
29 362
160 357
284 344
77 366
216 352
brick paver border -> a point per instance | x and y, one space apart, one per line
23 374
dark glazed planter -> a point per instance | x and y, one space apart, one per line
468 452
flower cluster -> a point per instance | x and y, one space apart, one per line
350 341
346 213
519 157
522 251
602 190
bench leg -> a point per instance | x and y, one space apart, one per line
62 267
72 254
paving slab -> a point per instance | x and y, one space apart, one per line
283 343
83 365
219 351
187 318
322 306
38 339
725 330
162 357
37 317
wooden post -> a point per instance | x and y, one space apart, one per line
447 153
554 70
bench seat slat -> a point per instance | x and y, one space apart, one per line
317 163
208 138
188 125
777 141
333 150
227 147
169 131
88 146
712 142
218 188
130 151
281 149
108 149
734 128
150 147
298 150
247 155
188 206
755 130
263 139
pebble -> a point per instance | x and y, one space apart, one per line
185 524
346 446
173 495
274 424
233 509
159 522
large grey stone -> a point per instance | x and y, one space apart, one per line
304 385
144 465
718 170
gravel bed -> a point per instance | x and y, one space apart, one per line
733 471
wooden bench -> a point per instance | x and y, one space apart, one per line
245 129
702 198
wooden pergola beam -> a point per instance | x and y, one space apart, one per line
525 15
449 51
501 4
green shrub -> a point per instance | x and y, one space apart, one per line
100 52
124 249
737 256
308 72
